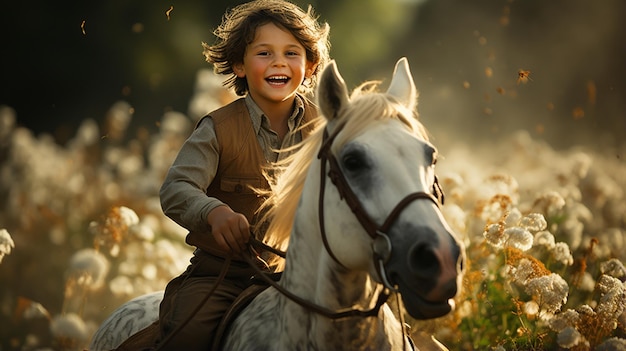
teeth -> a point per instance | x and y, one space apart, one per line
278 78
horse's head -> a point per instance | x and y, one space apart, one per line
377 154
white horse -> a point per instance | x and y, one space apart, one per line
358 206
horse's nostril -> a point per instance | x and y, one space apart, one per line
461 264
423 261
460 258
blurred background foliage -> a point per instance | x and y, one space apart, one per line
65 62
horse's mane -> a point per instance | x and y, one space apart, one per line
367 106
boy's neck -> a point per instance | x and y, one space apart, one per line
278 114
277 111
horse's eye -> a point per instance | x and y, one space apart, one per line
431 154
353 162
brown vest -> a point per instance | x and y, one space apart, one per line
241 161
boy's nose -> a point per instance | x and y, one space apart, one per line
279 61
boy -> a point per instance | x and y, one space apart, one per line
271 51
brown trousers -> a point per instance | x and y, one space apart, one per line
183 325
186 292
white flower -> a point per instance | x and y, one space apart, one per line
586 310
531 308
615 238
581 164
533 222
175 123
612 344
69 329
142 232
464 310
495 208
88 133
567 318
128 216
613 298
614 268
503 184
549 203
544 238
6 243
494 234
89 267
562 254
519 238
587 283
117 119
569 337
456 218
523 271
121 286
29 309
513 217
550 291
149 271
572 229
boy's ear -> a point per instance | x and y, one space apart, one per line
310 69
239 70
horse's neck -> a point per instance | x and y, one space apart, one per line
313 275
309 275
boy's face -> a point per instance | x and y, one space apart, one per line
274 65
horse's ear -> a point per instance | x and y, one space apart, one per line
402 86
332 93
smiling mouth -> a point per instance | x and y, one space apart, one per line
277 80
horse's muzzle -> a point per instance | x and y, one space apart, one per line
427 271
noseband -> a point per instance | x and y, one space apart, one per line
381 245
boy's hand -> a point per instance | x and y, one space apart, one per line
230 229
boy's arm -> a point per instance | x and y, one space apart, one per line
183 193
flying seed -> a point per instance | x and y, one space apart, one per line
591 92
82 27
578 113
167 13
523 76
488 72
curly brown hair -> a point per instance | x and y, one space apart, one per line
238 29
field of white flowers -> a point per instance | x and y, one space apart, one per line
81 231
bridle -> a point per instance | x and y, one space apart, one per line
381 245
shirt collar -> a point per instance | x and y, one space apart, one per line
257 115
